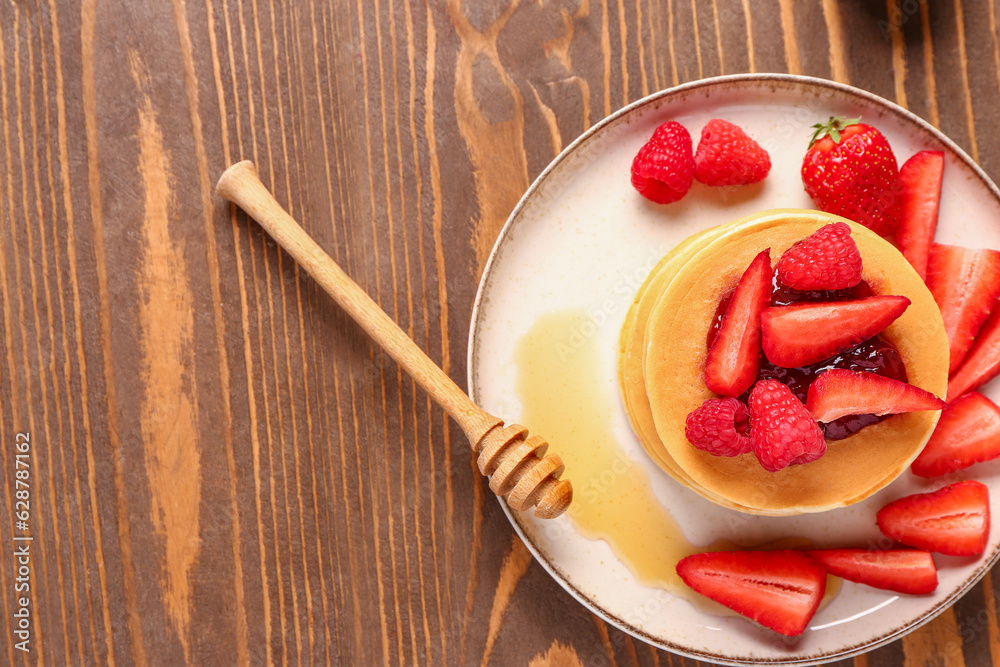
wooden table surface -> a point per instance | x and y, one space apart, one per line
223 468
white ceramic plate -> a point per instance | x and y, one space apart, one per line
581 233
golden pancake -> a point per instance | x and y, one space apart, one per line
631 352
631 355
675 342
630 346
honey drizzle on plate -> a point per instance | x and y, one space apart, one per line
561 397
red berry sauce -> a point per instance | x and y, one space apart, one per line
874 355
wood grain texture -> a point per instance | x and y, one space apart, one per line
224 468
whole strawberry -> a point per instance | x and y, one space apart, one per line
782 432
663 169
850 170
727 156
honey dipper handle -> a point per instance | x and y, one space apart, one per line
516 464
241 185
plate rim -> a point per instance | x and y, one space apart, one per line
593 607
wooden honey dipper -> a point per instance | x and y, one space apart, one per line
518 468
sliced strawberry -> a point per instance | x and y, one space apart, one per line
840 392
919 198
734 357
954 520
780 590
965 284
968 433
901 570
804 333
982 361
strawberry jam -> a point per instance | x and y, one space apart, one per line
875 355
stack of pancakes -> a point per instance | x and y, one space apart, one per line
661 364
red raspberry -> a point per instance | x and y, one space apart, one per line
827 260
782 431
727 156
663 169
719 426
